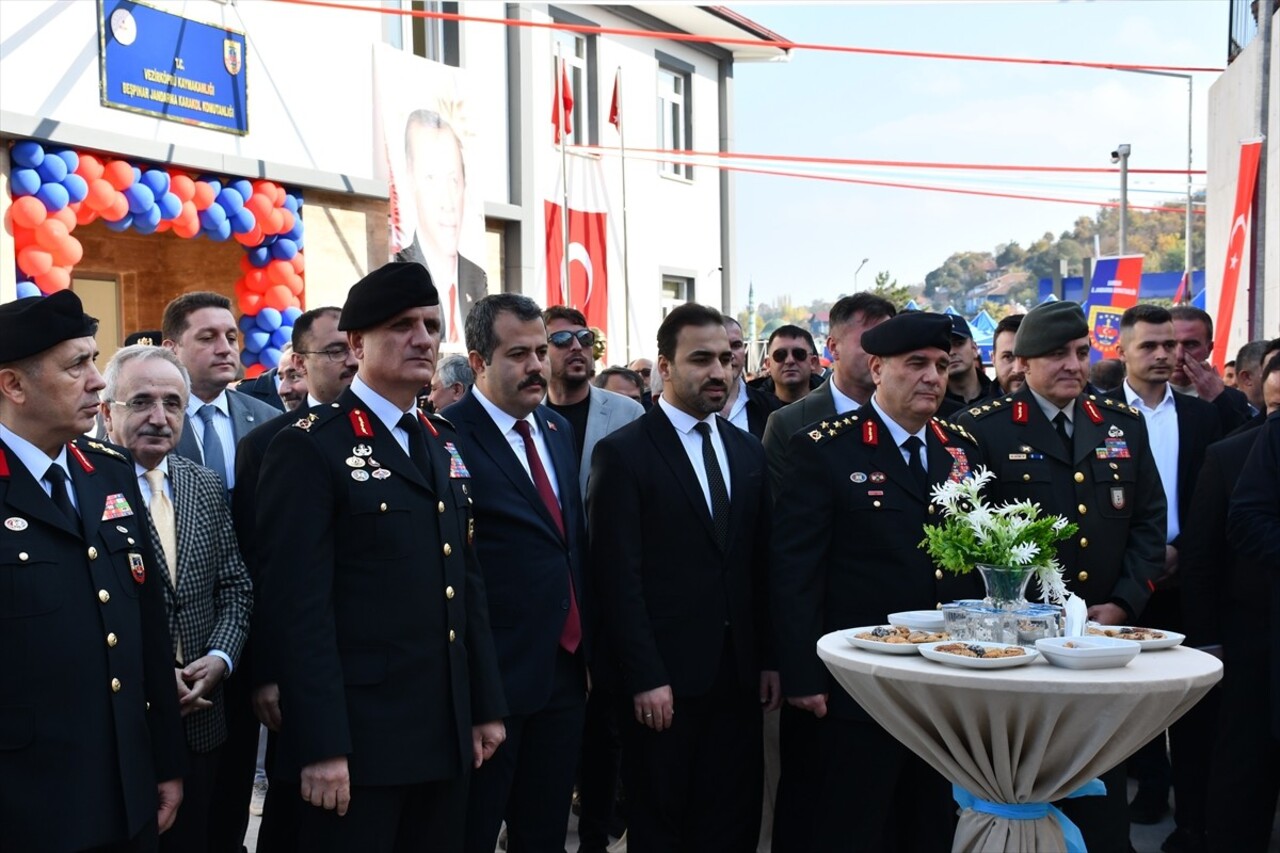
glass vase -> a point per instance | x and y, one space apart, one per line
1006 585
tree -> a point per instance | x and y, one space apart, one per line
891 290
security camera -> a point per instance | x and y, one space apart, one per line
1120 152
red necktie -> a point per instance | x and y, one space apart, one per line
571 635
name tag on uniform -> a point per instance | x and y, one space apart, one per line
116 507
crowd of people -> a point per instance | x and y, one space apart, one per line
463 593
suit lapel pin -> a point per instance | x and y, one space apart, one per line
858 477
17 525
355 462
360 475
362 450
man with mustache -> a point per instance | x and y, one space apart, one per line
846 524
1008 378
532 547
208 594
677 507
293 385
1087 458
1194 376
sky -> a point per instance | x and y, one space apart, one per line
804 238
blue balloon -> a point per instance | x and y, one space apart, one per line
141 198
281 336
54 196
121 224
284 250
24 182
243 187
212 217
52 169
170 205
298 242
137 174
28 154
268 240
248 357
157 180
290 203
294 233
151 216
270 357
213 182
290 314
243 221
221 233
230 200
71 158
27 288
298 195
77 188
269 319
247 323
142 225
259 256
255 340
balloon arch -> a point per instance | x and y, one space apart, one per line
54 189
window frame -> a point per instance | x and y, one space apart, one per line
682 72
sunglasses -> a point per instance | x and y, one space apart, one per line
798 353
564 338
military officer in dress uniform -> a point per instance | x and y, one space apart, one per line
374 610
847 526
91 743
1085 457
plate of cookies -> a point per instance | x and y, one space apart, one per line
891 639
976 655
1149 639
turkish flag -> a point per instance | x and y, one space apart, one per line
615 107
562 104
588 289
1249 154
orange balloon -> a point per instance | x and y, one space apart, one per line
164 225
119 174
249 303
298 264
275 221
278 272
90 168
182 186
67 216
278 296
260 205
287 216
186 228
28 212
254 371
117 210
50 233
203 195
23 237
101 194
295 284
56 278
250 238
256 281
68 253
35 261
85 215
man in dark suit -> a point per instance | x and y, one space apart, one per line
524 473
438 177
1227 604
201 331
373 613
1180 428
91 750
747 408
208 593
679 569
891 451
266 387
967 381
1088 459
1194 375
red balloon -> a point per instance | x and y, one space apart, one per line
35 261
295 284
28 211
256 281
298 264
278 296
57 278
287 216
119 174
165 225
90 168
117 210
182 186
203 195
50 233
68 253
23 237
66 216
249 239
254 370
87 214
101 194
278 272
186 228
260 205
249 303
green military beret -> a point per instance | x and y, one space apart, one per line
1049 326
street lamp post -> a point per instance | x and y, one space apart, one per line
1121 156
855 273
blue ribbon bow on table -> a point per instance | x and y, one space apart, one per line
1035 811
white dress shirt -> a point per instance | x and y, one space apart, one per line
385 411
738 414
1162 432
899 434
506 425
844 405
691 440
226 430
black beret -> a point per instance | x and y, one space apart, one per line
1048 326
33 324
908 332
384 293
150 338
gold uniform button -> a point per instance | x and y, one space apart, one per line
1082 509
937 573
875 503
1084 542
1082 577
932 510
448 593
1026 478
93 553
382 507
452 635
440 507
1115 476
130 540
448 549
112 639
1079 477
115 685
104 596
23 556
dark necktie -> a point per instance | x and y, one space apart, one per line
213 456
418 453
912 445
571 634
715 480
57 480
1060 423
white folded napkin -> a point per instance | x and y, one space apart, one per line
1076 616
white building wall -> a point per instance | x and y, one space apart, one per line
1233 117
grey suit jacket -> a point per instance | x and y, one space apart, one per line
246 414
609 412
210 607
788 421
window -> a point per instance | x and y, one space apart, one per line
675 126
431 38
676 291
579 54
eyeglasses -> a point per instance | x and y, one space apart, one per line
564 337
144 405
333 353
798 353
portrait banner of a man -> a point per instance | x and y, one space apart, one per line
436 218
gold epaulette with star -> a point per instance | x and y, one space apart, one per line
956 429
995 405
1116 405
820 431
99 447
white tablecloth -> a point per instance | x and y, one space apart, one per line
1031 734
